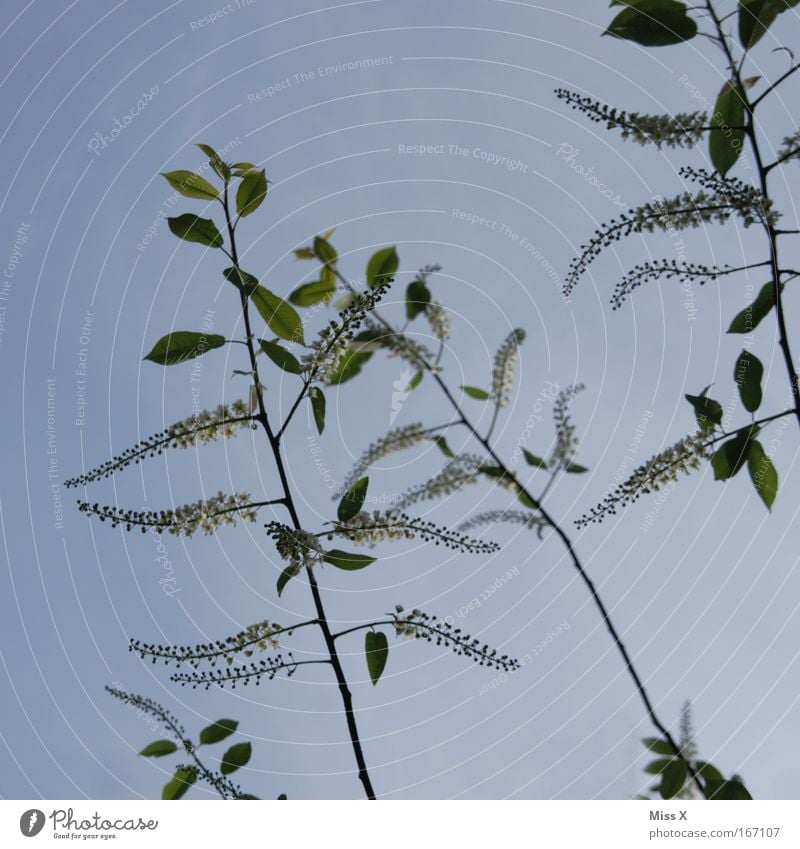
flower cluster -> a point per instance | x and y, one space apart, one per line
505 361
206 515
262 636
234 675
224 422
299 548
439 320
718 199
660 471
566 441
457 473
366 528
397 439
790 149
421 626
668 269
334 342
684 129
529 520
401 345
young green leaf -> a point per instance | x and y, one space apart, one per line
477 394
191 185
673 779
444 447
653 23
190 228
418 296
732 790
235 757
707 411
251 192
221 168
353 500
751 316
526 500
659 746
281 317
317 398
575 468
755 18
324 250
159 749
376 647
748 374
221 729
304 253
382 266
349 366
533 460
347 561
283 579
248 282
732 455
727 128
763 473
313 293
282 358
180 782
183 345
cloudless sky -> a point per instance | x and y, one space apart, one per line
335 102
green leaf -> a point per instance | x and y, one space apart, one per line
221 729
191 185
708 772
752 315
673 779
159 749
288 573
376 647
222 169
755 18
190 228
235 757
575 468
748 374
382 267
653 23
492 471
533 460
660 747
251 192
313 293
281 317
304 253
727 128
241 279
658 766
180 782
415 381
732 455
349 366
324 250
477 394
317 398
418 296
526 500
183 345
353 500
444 447
707 411
763 473
243 168
732 790
282 358
344 560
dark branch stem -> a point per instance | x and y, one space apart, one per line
274 442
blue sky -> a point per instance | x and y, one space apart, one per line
705 593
